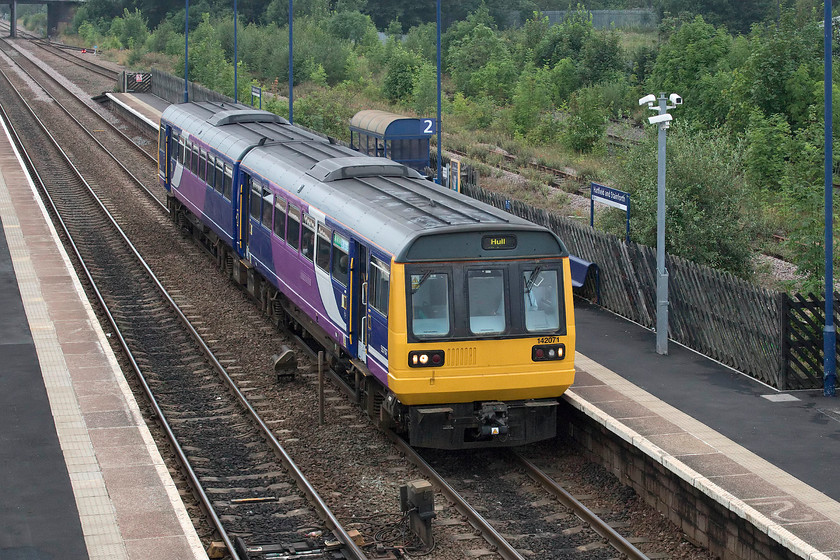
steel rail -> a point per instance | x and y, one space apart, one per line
116 160
300 479
86 64
597 524
96 114
493 537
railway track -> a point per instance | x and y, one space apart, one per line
549 524
96 127
250 489
63 51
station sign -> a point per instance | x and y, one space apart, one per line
610 197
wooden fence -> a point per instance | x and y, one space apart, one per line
760 332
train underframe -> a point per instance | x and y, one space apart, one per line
442 426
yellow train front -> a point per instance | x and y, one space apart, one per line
486 342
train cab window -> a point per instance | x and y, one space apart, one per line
267 205
161 138
430 304
202 165
256 197
322 250
486 300
280 218
293 227
340 261
542 300
228 182
307 244
379 282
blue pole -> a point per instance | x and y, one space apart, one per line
187 52
439 123
829 334
291 69
235 60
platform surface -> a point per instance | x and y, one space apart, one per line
80 474
767 453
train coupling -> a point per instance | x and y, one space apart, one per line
493 419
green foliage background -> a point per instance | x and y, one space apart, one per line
744 157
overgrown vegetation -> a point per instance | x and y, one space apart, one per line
744 156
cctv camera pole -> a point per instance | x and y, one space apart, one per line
661 272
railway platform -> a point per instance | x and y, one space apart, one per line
766 456
80 473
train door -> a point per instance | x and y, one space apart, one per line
243 222
360 319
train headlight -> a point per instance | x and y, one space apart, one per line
426 358
548 352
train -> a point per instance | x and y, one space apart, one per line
450 320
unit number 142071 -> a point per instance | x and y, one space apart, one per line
548 339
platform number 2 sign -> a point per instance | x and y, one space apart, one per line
428 126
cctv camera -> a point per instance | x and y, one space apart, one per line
649 99
658 119
675 99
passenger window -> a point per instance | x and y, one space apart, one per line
379 285
194 161
293 228
268 203
307 244
486 297
216 172
228 182
340 261
181 151
280 218
322 254
542 300
430 304
202 165
187 154
256 197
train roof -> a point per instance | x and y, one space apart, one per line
232 128
378 198
393 205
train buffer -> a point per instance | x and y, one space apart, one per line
581 270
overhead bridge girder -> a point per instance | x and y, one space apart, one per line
58 11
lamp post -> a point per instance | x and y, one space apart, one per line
187 52
235 60
829 334
291 69
439 123
663 120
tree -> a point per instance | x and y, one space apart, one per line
481 64
130 29
399 77
704 194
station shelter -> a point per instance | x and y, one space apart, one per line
384 134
